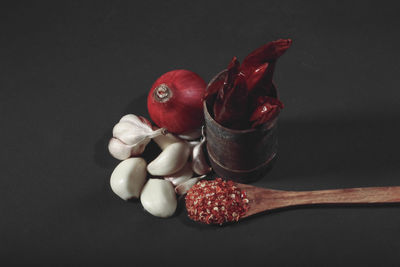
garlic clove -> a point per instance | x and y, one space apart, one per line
121 151
165 140
158 198
176 181
128 178
181 176
170 160
193 144
196 134
138 150
184 187
199 163
118 149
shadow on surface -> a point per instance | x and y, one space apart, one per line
361 146
318 206
101 155
307 148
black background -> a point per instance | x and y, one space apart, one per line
69 70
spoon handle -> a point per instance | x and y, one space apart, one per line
263 199
363 195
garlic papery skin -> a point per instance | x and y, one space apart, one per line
199 163
184 187
165 140
181 176
158 198
133 119
170 160
133 134
128 178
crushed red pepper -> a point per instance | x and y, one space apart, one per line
216 202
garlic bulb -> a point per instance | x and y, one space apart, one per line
131 135
134 130
128 178
181 176
158 198
170 160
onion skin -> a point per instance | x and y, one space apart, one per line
180 107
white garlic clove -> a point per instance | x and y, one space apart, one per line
181 176
184 187
196 134
118 149
158 198
128 178
137 150
170 160
193 144
199 163
176 181
165 140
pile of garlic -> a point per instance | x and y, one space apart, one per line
177 163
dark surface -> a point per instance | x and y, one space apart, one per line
69 71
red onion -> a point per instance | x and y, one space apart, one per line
175 101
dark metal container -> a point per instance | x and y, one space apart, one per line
240 155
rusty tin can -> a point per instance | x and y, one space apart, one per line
240 155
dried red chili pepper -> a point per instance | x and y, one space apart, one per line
233 112
231 73
236 98
256 76
216 202
268 108
266 53
264 87
230 107
214 86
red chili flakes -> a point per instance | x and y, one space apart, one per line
216 202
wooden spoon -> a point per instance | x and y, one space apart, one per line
264 199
